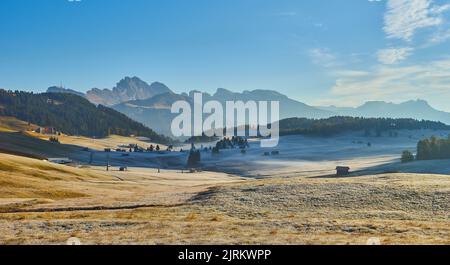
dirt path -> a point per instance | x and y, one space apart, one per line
87 209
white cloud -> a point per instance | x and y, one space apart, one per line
404 17
440 9
394 55
428 81
389 80
439 37
323 57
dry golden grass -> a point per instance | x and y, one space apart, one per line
11 124
24 178
44 203
289 211
214 208
113 141
20 143
53 186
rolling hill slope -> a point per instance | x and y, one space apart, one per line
11 124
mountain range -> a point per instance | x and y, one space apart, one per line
155 111
416 109
150 104
129 88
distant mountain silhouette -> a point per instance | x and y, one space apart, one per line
288 107
156 111
129 88
150 104
416 109
161 101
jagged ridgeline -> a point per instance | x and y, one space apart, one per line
72 114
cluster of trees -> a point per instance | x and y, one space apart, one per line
152 148
226 143
429 149
407 157
370 126
54 140
229 143
201 139
72 115
433 148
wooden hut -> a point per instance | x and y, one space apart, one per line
342 171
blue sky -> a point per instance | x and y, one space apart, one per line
341 52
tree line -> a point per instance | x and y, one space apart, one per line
370 126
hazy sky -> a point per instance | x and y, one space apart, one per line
341 52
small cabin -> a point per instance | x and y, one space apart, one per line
46 130
342 171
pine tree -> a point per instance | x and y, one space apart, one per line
407 157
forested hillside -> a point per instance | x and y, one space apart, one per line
71 114
371 126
